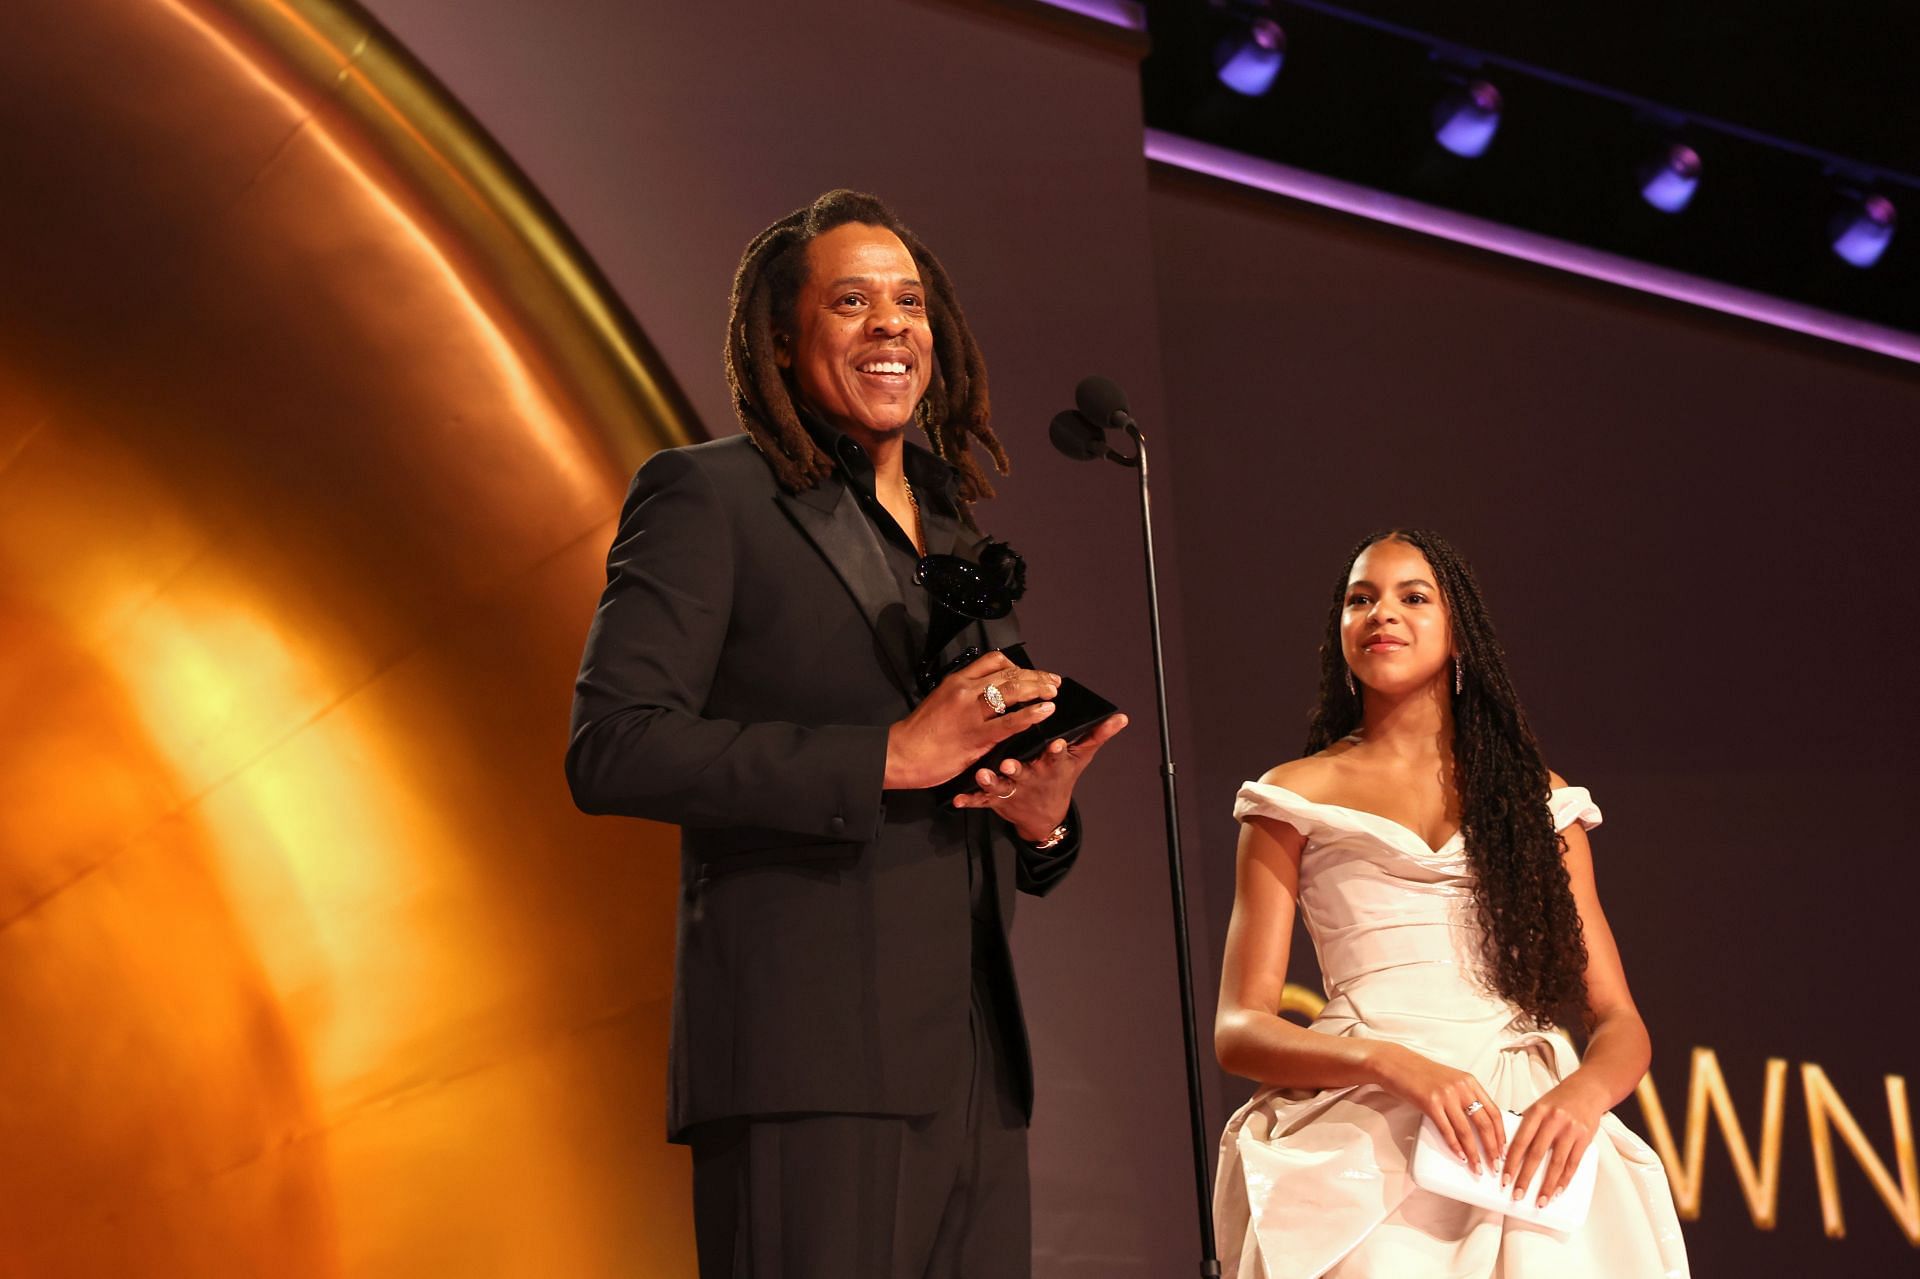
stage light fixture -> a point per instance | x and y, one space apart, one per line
1863 228
1467 117
1669 181
1248 59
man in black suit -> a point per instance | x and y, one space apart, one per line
848 1063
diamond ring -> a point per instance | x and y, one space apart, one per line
1474 1108
995 702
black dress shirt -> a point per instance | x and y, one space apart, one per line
932 481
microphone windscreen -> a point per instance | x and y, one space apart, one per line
1078 438
1099 400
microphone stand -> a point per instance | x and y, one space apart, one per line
1203 1192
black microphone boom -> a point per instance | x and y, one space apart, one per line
1082 435
1083 441
1078 438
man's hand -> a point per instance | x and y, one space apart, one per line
1034 797
957 724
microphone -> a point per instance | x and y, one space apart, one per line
1102 402
1078 438
1103 406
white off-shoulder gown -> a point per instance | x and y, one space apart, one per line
1317 1183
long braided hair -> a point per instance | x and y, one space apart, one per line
1534 949
772 272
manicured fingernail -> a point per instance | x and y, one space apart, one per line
1543 1201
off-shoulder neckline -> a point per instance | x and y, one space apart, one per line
1382 818
1428 849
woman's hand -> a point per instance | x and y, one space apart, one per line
1556 1131
1448 1097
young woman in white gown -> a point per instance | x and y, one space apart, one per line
1445 878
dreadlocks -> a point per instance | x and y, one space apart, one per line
772 271
1533 943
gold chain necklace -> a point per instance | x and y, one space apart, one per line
919 524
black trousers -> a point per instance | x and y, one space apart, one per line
939 1196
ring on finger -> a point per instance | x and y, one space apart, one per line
1011 788
1474 1108
992 697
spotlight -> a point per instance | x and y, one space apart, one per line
1668 183
1863 228
1466 119
1248 60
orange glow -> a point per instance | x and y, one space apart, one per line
322 974
531 405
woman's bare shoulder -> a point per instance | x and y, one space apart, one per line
1310 776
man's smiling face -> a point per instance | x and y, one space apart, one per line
859 346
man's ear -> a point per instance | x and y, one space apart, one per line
782 350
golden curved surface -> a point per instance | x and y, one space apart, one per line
313 424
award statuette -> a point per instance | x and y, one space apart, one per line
963 593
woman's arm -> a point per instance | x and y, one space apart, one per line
1560 1125
1618 1050
1251 1039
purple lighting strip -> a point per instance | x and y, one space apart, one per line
1131 14
1377 206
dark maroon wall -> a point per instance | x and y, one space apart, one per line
668 134
1693 533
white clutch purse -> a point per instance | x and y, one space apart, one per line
1437 1169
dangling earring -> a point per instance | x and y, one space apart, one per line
1351 690
1459 680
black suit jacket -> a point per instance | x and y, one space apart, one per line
738 680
